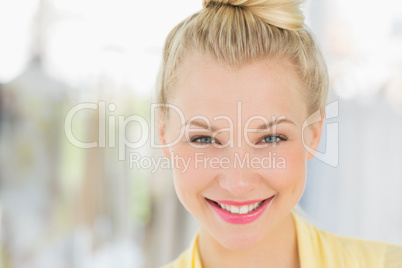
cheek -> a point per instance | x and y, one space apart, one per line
289 178
296 172
190 178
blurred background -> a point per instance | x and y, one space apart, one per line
62 206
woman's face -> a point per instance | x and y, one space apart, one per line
235 141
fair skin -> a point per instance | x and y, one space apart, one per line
270 89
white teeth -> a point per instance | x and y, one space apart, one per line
243 210
240 209
234 209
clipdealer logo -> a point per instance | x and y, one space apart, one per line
146 131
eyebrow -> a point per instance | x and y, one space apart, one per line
263 126
268 125
200 123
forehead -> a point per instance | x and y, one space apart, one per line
270 87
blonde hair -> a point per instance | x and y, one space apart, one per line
237 32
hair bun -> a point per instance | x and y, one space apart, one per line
208 3
285 14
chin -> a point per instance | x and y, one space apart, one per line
240 241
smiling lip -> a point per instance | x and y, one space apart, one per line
235 216
238 203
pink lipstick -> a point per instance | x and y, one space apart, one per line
240 212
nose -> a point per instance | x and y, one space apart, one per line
240 178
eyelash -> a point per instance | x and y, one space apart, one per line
197 139
279 138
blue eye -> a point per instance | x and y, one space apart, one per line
203 139
274 139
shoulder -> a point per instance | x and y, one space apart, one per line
318 248
189 258
181 261
376 254
339 251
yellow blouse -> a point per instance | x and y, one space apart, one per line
319 249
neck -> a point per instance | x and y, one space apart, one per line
276 249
